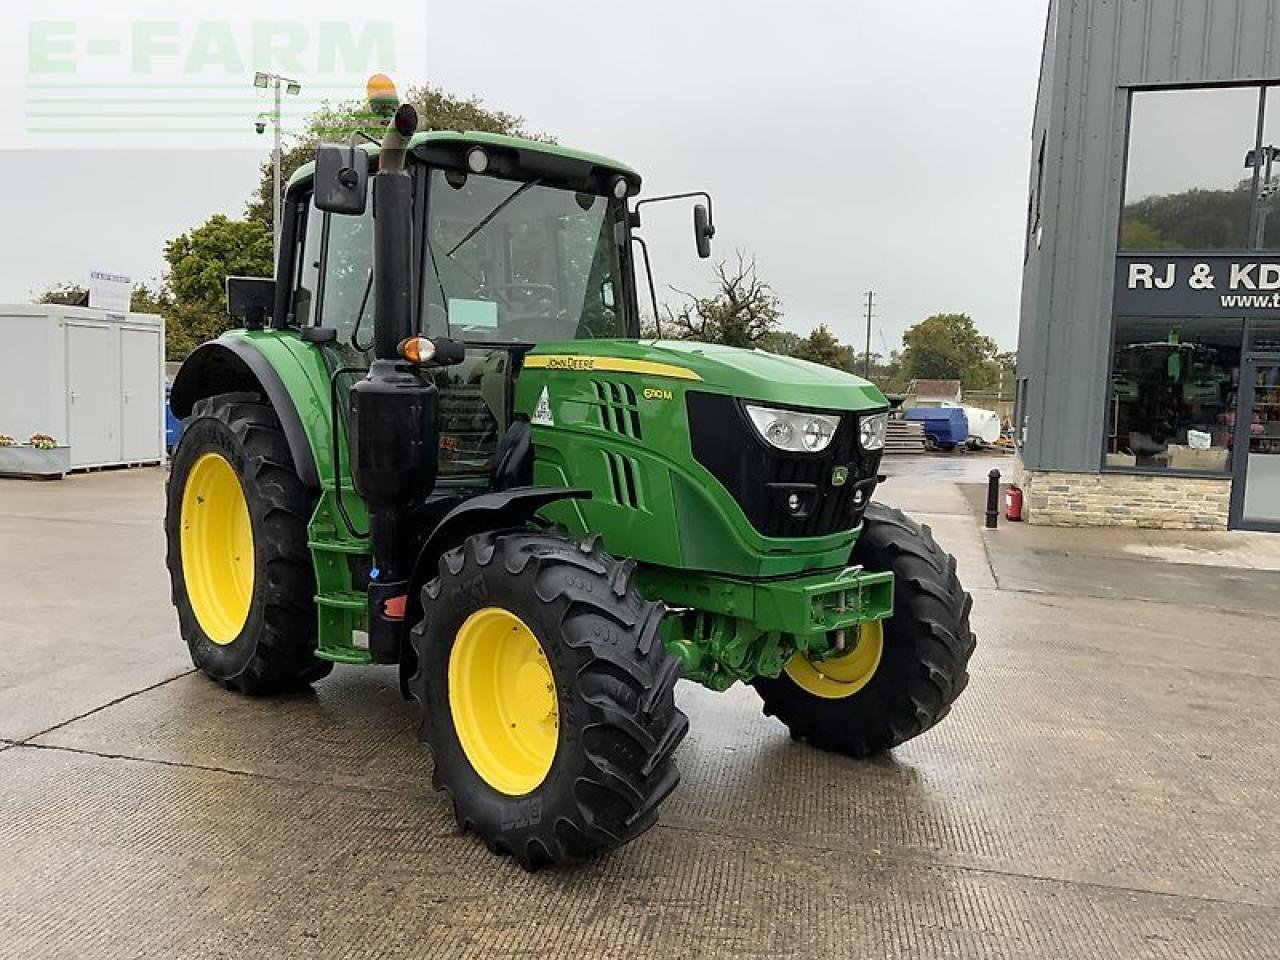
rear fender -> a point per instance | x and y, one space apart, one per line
265 364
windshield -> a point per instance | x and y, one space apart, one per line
520 262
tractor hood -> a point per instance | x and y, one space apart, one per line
749 374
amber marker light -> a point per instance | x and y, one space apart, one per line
382 93
417 350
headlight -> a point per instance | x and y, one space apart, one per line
872 429
794 430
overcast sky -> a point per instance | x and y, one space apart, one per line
851 145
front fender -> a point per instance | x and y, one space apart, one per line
489 511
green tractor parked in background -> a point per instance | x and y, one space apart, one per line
440 443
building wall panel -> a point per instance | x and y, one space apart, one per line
1095 51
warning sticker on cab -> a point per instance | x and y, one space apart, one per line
542 412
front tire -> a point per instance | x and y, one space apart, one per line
547 696
902 677
236 527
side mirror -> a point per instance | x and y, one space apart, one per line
703 230
342 179
250 299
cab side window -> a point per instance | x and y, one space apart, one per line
308 267
335 275
348 279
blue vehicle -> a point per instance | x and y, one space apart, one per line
945 428
172 425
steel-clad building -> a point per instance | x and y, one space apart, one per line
1149 344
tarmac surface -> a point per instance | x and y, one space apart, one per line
1108 786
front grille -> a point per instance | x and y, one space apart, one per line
761 477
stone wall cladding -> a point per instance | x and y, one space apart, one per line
1125 500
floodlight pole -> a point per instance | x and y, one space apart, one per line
277 201
866 357
280 86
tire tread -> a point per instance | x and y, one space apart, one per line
928 644
623 682
283 657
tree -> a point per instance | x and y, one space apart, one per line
948 346
200 261
145 299
151 299
821 346
1191 220
782 342
437 110
886 373
743 312
65 294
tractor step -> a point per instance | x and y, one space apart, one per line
354 656
343 613
347 609
340 546
345 600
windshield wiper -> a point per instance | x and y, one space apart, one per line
444 297
493 213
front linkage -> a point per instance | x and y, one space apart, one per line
725 630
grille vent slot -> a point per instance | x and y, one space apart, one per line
622 480
618 409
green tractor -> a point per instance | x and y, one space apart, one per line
441 443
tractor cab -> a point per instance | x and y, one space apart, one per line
513 245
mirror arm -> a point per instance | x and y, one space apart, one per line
653 296
711 219
351 146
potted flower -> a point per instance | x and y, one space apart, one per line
41 457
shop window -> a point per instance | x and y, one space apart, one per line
1174 385
1188 186
1035 204
1264 336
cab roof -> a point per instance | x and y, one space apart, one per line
469 137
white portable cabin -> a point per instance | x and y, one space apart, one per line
91 379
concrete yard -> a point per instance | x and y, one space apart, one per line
1108 786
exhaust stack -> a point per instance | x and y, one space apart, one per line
394 455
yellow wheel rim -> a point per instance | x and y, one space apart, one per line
843 676
502 697
217 548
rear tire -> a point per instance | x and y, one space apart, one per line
922 666
272 648
598 762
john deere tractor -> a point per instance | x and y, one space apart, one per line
441 443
